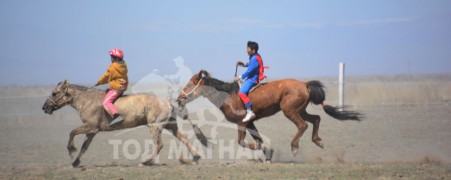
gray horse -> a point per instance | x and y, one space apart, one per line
136 110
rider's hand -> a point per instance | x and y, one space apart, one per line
237 78
240 63
123 88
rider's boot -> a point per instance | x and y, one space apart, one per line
249 115
116 119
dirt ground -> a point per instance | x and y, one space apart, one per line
393 142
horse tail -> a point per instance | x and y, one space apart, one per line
316 91
317 97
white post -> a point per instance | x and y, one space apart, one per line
341 84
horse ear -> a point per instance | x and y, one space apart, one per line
204 73
65 86
201 72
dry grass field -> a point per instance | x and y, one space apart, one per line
405 135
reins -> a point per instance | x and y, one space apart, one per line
236 70
198 83
62 103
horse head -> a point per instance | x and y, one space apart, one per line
202 84
58 98
194 88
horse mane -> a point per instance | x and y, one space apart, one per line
79 87
85 89
220 85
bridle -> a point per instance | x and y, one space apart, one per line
61 97
194 89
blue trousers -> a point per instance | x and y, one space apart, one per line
244 91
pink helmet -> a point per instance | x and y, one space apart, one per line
116 53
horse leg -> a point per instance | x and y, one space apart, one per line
315 120
84 147
155 133
242 134
173 127
183 113
70 145
300 124
259 141
254 133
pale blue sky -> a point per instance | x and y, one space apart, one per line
44 42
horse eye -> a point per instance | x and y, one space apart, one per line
53 94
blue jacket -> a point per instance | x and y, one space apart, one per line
253 69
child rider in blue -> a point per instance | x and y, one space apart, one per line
252 76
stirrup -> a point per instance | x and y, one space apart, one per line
115 121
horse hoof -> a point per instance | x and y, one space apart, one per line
71 155
147 163
196 158
319 144
268 161
72 151
294 153
294 150
76 163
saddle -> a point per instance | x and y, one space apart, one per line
253 88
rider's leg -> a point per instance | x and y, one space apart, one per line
108 105
244 91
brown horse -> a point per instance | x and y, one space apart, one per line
289 95
136 110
